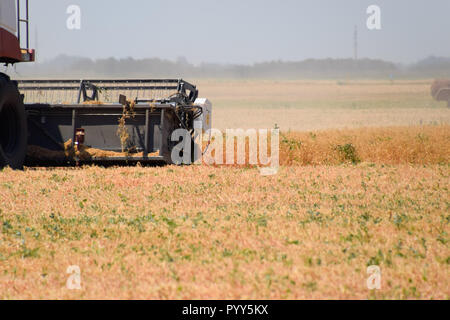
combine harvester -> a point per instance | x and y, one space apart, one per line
52 122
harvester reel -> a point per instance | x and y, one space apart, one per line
13 125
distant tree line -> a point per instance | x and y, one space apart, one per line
68 66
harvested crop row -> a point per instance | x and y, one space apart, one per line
394 145
84 153
390 145
197 232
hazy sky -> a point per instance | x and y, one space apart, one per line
241 31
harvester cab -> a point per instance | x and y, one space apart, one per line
53 122
14 32
13 119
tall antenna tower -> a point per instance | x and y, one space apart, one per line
355 43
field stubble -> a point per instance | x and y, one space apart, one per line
341 201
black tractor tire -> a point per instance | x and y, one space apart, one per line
13 125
